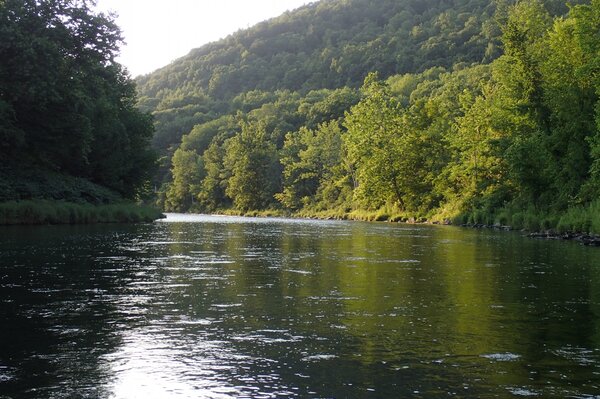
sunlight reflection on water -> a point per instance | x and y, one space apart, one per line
202 306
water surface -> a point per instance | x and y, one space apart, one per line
226 307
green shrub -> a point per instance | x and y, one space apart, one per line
518 220
35 212
531 221
503 218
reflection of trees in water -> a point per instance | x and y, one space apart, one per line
315 306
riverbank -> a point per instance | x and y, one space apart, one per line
384 214
587 239
41 212
35 196
579 223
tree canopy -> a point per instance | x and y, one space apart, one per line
494 138
65 104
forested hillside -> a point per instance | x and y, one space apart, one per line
329 44
407 108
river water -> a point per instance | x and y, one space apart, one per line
227 307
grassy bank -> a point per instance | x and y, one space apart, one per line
273 213
388 213
37 212
577 219
384 214
34 196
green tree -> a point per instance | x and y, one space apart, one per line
252 165
519 115
65 104
586 31
312 166
188 171
570 71
478 171
374 127
212 191
384 148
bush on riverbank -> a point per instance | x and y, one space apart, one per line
576 219
38 184
36 212
34 196
583 219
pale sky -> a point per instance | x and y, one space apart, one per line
159 31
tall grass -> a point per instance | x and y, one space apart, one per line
576 219
584 219
35 212
387 213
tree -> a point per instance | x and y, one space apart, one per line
384 148
520 119
478 172
188 173
65 104
312 165
374 126
571 69
253 168
212 191
588 19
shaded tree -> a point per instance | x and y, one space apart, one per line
65 104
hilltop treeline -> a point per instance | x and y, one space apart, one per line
326 45
511 141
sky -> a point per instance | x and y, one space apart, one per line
157 32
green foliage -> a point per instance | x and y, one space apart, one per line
187 173
66 105
385 142
581 219
251 163
512 142
313 169
36 212
212 192
202 135
374 141
30 183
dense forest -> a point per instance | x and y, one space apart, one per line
326 45
482 111
69 126
485 111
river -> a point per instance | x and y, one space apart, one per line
226 307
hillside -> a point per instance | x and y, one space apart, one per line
466 110
328 44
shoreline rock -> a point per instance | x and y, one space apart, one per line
590 240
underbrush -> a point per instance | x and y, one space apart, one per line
37 212
576 219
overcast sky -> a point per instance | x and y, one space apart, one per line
159 31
